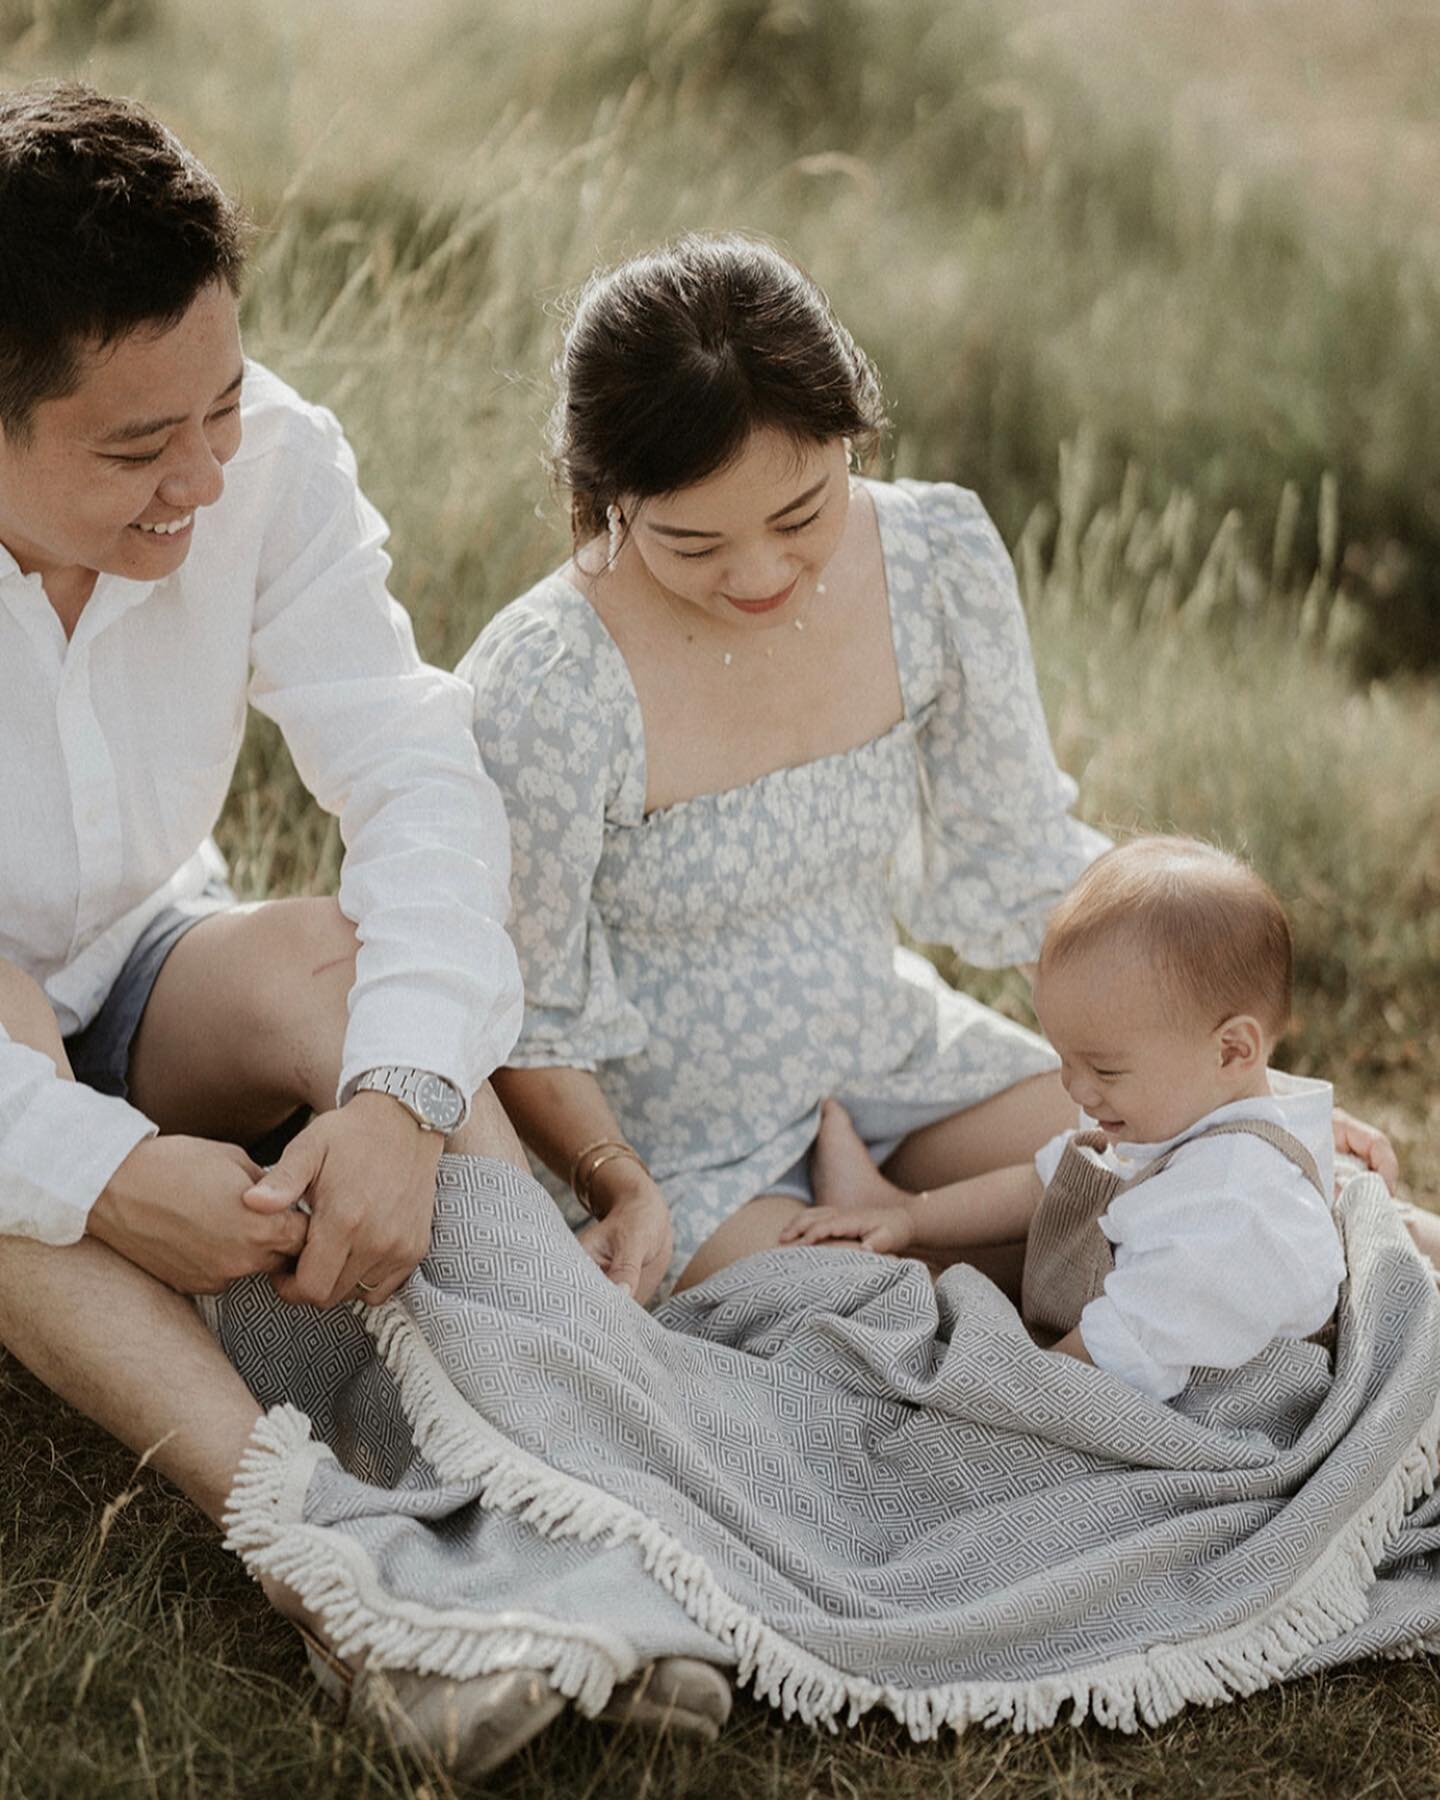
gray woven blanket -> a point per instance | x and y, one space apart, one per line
859 1489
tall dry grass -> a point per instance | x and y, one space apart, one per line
1135 274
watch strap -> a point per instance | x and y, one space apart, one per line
433 1102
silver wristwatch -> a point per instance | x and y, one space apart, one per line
434 1103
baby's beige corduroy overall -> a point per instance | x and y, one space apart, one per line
1068 1256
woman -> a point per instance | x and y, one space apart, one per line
766 709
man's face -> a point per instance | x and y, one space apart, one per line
112 475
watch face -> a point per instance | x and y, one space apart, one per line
439 1102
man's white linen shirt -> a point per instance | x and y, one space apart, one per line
1225 1250
118 753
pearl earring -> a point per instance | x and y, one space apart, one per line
614 520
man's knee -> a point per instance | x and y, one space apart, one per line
315 941
296 953
308 958
26 1015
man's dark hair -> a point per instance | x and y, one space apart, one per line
673 359
107 225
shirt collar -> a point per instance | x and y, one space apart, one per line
1301 1104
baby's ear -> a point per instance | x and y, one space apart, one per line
1243 1044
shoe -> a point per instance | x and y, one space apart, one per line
676 1694
469 1727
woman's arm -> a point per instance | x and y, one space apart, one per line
561 1112
998 844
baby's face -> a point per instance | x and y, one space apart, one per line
1142 1066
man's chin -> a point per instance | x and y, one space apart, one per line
150 559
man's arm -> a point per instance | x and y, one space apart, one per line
59 1143
383 742
75 1163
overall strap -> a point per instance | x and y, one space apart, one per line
1067 1256
1276 1136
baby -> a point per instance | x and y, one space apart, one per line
1186 1223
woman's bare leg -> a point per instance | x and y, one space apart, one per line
998 1133
755 1227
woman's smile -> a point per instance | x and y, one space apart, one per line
770 603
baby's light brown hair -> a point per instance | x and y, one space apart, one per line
1215 933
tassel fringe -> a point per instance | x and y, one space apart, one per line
333 1576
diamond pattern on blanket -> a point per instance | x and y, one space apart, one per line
869 1489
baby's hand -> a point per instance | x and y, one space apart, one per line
885 1229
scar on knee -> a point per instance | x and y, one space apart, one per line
335 962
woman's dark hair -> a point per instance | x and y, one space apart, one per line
107 225
674 358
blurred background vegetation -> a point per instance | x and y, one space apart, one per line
1162 282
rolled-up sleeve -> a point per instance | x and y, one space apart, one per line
554 746
383 742
59 1145
999 843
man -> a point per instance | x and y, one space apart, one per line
175 523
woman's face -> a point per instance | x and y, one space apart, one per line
749 544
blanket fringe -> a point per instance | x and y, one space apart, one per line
335 1580
1122 1693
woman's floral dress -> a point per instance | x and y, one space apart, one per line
724 964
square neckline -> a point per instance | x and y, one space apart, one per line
722 796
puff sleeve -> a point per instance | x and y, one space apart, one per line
998 844
555 741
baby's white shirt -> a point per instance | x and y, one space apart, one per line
1225 1250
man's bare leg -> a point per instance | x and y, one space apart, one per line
230 1045
131 1354
247 1022
114 1342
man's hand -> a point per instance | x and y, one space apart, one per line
886 1229
176 1207
1368 1145
367 1173
633 1242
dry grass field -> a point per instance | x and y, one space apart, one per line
1160 281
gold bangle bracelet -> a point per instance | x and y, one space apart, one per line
589 1150
611 1153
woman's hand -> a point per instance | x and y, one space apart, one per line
632 1242
885 1229
1367 1144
